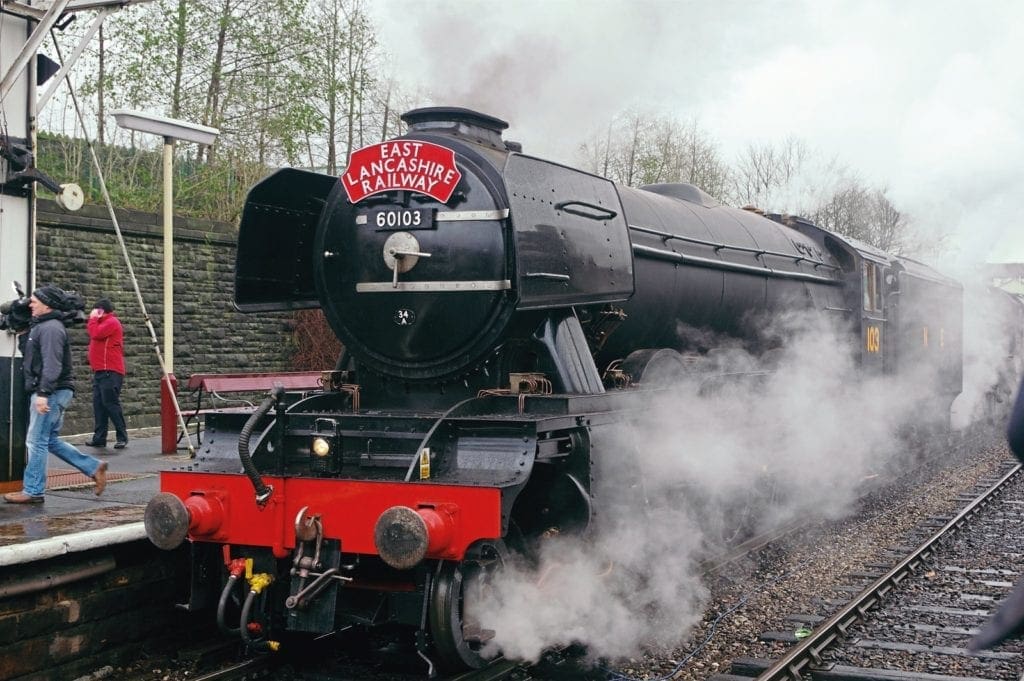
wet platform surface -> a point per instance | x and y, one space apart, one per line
72 507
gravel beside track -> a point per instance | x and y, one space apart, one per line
810 571
926 624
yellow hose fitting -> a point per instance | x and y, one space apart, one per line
259 582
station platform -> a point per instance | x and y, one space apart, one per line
73 518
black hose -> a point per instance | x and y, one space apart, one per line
244 621
262 645
263 491
223 605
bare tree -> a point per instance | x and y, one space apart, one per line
888 225
868 215
180 33
387 104
764 169
640 148
705 167
595 154
341 58
846 212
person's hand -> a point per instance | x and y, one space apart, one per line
42 404
96 313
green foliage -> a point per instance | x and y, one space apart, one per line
134 177
284 82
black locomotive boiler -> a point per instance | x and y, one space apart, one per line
502 315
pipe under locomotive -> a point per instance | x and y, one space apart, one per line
502 315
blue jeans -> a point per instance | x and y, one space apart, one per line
43 437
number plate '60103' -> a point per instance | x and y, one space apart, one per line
402 218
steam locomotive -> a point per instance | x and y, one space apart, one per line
502 316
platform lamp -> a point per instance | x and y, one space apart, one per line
171 130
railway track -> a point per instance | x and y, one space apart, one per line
499 669
255 668
914 618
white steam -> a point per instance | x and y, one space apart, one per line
993 359
710 453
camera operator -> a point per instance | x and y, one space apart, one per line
48 377
16 316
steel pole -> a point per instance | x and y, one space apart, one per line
169 254
168 383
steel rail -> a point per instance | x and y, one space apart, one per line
799 658
241 670
497 669
749 546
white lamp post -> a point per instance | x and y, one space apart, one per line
171 130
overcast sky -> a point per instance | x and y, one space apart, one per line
924 97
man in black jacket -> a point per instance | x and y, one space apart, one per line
1015 431
1008 622
48 377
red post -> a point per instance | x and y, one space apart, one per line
168 419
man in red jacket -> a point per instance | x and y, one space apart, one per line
106 357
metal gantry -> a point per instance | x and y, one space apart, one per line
45 20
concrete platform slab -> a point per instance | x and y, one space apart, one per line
73 518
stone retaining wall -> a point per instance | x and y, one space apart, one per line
56 633
80 251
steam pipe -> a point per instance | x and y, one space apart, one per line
282 455
57 577
263 491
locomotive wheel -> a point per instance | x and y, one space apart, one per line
655 366
456 590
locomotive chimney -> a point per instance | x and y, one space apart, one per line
474 125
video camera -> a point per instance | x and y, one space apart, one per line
16 315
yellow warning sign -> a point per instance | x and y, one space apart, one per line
424 463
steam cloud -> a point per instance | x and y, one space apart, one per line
993 361
709 454
938 119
